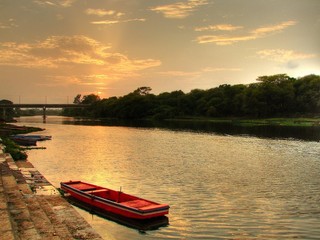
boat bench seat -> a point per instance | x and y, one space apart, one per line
100 190
137 204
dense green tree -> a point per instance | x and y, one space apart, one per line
77 99
90 99
6 114
143 91
275 95
307 93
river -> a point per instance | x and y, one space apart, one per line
218 186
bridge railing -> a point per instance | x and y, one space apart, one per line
44 105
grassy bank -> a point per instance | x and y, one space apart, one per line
289 122
6 130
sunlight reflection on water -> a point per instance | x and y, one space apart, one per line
218 187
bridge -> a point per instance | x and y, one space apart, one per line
44 106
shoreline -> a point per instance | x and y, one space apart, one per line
32 208
285 122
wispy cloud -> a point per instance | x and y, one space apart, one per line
8 24
110 22
220 27
105 22
99 12
98 80
199 72
103 12
223 40
272 28
179 9
221 69
72 54
257 33
52 52
282 55
180 73
57 3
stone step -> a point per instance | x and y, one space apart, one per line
41 220
42 214
60 227
5 221
62 215
22 225
29 221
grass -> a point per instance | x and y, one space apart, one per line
289 122
6 130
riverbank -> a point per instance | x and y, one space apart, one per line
31 208
6 130
286 122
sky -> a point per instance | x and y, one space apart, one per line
52 50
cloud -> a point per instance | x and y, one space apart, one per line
179 9
105 22
88 80
220 27
200 72
9 24
221 69
103 12
99 12
55 3
260 32
180 73
72 54
273 28
284 56
110 22
223 40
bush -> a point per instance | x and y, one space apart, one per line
14 150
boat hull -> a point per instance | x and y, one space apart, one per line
115 202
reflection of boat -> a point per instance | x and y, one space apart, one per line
113 201
141 225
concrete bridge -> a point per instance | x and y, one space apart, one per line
44 106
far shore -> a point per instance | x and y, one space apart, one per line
239 121
288 122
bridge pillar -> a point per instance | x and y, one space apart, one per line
44 115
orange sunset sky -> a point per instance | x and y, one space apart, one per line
52 50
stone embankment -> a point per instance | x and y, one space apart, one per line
31 208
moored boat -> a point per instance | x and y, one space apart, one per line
29 140
113 201
24 141
35 137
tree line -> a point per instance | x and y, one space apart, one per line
271 96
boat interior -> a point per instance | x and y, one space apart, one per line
116 196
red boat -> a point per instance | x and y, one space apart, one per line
114 201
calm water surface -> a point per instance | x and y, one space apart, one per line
218 187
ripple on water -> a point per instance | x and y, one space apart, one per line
218 187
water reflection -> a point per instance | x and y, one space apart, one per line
218 186
140 225
262 131
280 132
